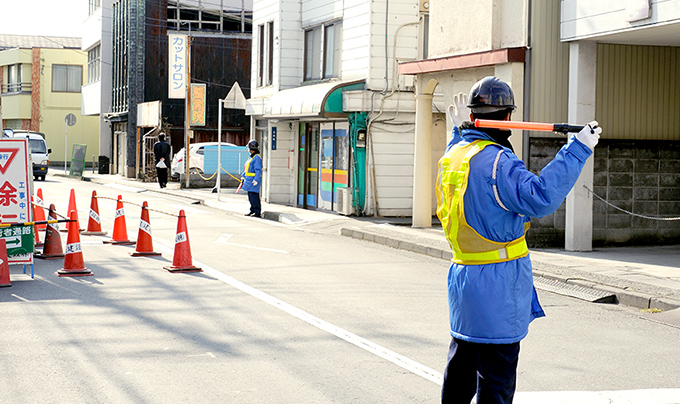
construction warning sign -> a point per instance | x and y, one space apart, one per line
15 197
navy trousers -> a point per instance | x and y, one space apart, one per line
490 370
255 205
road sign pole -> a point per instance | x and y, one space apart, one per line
66 149
219 147
70 121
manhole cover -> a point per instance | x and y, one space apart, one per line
579 292
669 317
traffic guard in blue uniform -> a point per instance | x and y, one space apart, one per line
485 197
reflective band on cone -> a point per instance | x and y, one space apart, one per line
4 266
72 207
52 248
73 262
94 225
181 259
119 236
39 210
144 240
36 235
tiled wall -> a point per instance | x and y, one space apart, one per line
641 178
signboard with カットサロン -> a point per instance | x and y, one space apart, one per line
15 200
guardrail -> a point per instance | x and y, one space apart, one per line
23 87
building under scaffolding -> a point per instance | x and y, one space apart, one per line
220 32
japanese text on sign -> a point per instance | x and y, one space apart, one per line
177 66
15 194
198 104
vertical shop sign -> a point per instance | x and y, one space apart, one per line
198 104
177 66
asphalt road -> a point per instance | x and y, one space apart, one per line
279 315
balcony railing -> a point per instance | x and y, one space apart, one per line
16 88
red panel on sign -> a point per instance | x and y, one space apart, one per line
6 161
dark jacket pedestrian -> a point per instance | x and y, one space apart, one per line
161 153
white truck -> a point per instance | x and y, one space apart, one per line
38 147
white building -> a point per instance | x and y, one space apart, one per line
96 93
328 106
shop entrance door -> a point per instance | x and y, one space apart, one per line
308 166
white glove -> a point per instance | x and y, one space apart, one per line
254 183
589 135
458 111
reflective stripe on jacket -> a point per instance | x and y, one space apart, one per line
252 174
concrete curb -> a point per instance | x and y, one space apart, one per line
624 296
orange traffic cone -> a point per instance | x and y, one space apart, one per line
72 207
36 233
94 225
52 248
181 259
40 209
119 227
144 240
73 262
4 266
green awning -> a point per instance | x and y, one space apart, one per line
316 100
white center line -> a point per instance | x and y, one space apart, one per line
399 360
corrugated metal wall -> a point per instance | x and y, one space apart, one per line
638 92
549 66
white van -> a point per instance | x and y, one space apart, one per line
39 151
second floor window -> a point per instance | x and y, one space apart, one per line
94 5
67 78
14 78
265 64
94 64
323 51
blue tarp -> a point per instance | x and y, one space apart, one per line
233 158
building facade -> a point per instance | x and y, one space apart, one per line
335 121
96 92
41 85
571 61
220 33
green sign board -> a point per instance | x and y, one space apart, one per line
19 239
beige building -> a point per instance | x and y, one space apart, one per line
41 84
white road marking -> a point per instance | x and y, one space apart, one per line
399 360
647 396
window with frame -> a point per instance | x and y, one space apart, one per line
94 5
94 64
323 51
265 65
67 78
332 50
13 78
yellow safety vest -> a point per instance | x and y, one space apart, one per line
247 165
469 248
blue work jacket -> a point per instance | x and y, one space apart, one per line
252 174
494 303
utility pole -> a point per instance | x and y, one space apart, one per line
187 115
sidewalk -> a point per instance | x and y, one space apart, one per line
641 277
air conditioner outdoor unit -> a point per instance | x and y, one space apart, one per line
344 204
